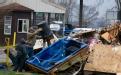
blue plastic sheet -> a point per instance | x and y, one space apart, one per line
55 54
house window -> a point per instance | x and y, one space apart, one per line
57 17
39 17
23 25
52 15
7 25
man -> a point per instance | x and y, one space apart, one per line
24 50
21 56
46 33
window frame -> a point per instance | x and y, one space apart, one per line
22 26
9 25
40 16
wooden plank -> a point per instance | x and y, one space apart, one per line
105 58
106 36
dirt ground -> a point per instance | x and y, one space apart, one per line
105 58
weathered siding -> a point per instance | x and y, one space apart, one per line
15 17
20 15
2 37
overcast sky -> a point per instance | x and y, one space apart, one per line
107 4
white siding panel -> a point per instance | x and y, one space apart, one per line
40 6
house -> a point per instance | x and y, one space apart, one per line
18 15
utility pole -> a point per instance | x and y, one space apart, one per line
119 9
81 13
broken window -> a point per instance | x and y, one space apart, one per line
7 25
23 25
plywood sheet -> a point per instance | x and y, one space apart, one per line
105 58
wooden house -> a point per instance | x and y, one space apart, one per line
18 15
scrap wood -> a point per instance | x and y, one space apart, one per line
105 58
111 32
106 37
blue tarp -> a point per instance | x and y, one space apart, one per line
55 54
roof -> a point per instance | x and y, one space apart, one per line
15 7
41 6
53 4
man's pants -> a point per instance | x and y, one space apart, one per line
20 62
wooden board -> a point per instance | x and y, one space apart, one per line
105 58
106 36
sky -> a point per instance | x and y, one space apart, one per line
107 4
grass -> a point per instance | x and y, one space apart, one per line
5 72
1 46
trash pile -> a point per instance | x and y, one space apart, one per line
105 56
104 44
88 49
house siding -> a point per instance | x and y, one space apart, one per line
2 36
15 17
20 15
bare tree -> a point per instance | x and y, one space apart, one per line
90 13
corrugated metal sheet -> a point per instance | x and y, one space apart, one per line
40 6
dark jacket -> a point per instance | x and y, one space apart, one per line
21 50
45 30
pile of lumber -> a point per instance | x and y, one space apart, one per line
111 33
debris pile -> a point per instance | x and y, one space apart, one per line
100 50
105 53
104 58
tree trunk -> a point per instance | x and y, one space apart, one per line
81 13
